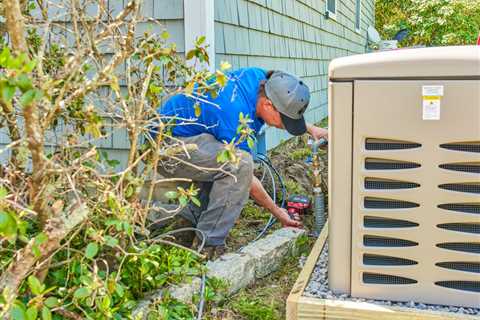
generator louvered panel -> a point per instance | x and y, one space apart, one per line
461 227
460 266
385 144
380 260
473 167
379 222
473 286
473 187
385 164
415 186
378 278
472 146
382 184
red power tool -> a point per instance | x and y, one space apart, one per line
297 206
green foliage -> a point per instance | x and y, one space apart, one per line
256 308
300 154
430 22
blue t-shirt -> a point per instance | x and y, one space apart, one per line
220 116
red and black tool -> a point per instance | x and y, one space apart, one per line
297 206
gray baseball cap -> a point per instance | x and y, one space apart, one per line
290 96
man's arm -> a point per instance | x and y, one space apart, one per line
261 197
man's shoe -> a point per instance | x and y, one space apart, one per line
185 237
214 252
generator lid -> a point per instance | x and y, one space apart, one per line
436 62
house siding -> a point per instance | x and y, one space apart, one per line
291 35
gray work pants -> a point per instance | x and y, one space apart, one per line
222 198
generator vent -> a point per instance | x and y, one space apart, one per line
471 167
378 278
468 187
377 241
461 227
470 146
380 260
462 207
382 203
460 266
386 144
378 183
470 247
473 286
378 222
385 164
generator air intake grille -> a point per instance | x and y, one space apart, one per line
376 241
461 207
471 146
378 278
460 266
470 247
378 222
379 260
461 227
472 167
473 286
380 203
385 164
385 144
378 184
471 187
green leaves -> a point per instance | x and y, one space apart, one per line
8 225
36 287
91 250
82 292
46 313
30 97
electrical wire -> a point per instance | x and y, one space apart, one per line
201 303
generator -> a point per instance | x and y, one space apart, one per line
404 175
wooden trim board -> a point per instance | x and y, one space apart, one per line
300 307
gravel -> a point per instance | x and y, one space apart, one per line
318 288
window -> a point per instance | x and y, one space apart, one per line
331 8
358 9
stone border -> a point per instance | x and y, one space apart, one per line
237 270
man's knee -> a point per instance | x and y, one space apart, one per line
245 169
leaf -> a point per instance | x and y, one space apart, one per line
35 285
197 109
250 142
191 54
183 200
29 66
196 201
221 78
51 302
81 293
4 56
201 40
111 241
46 313
165 35
91 250
32 313
171 195
3 193
18 312
225 65
8 224
30 97
8 92
189 87
24 82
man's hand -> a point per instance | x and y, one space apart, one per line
316 132
284 218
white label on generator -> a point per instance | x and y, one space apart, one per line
432 91
431 108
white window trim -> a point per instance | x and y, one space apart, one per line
359 29
199 20
330 14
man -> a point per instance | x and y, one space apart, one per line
276 98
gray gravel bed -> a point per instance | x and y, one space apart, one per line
318 288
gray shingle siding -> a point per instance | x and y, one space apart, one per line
292 35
